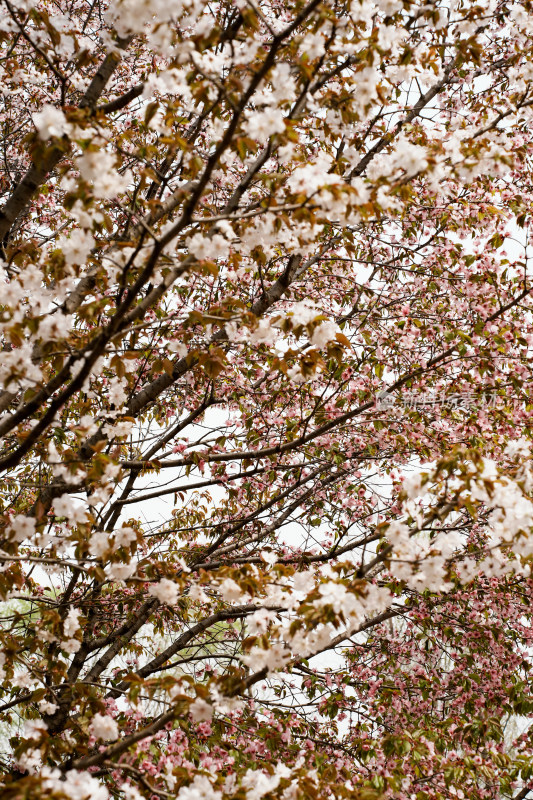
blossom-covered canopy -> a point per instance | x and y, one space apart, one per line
266 502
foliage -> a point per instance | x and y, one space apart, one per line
266 327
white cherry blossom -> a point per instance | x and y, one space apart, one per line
50 121
166 591
104 727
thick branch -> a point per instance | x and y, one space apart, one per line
37 173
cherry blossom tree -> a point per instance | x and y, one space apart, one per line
266 414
